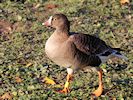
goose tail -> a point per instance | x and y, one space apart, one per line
110 53
117 53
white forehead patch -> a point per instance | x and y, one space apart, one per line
50 20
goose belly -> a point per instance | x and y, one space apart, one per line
56 54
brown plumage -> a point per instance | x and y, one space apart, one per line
76 50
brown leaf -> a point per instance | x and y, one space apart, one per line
51 6
18 79
6 96
124 2
5 27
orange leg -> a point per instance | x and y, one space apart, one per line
66 87
99 91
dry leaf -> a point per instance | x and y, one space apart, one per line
18 79
49 81
5 29
124 1
29 64
37 5
51 6
5 26
6 96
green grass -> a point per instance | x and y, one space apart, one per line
25 43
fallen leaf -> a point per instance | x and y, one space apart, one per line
37 5
29 64
6 96
49 81
51 6
5 26
18 79
5 29
124 2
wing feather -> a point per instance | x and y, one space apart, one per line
88 44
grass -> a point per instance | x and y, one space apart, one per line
23 63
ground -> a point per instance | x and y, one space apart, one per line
24 65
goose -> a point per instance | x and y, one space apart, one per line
76 51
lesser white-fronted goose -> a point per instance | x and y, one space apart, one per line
76 50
